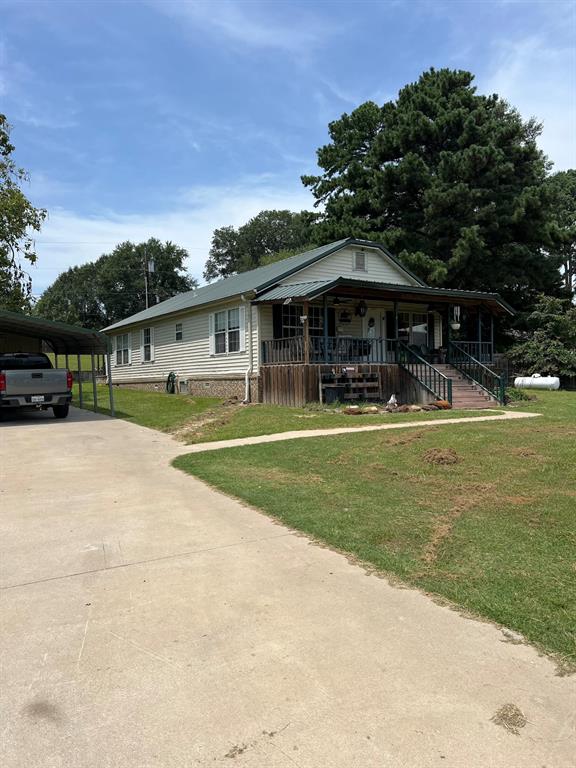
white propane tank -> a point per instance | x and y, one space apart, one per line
536 381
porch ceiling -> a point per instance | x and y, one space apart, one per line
348 287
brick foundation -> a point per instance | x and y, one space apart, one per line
221 387
225 388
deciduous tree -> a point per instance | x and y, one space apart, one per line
114 287
17 218
258 241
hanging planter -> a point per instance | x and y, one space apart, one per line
454 325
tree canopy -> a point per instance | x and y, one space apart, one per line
17 217
451 181
550 346
113 287
266 237
562 187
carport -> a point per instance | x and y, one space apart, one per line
21 333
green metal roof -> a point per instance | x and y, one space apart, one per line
296 290
63 338
317 288
254 281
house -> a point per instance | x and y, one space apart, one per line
289 331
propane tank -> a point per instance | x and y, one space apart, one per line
537 381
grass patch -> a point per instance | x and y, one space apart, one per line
493 531
156 410
253 420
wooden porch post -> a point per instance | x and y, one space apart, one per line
325 328
306 332
479 329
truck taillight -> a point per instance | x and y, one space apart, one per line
2 382
69 380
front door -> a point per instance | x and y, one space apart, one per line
375 330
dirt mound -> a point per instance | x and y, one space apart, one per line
442 456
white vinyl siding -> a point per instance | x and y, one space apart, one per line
193 356
378 268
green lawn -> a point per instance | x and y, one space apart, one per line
156 410
494 532
249 421
203 419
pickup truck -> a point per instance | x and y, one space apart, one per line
29 381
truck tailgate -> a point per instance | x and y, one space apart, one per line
39 382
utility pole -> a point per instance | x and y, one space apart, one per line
149 268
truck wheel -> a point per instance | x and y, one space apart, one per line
61 411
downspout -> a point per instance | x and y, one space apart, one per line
248 315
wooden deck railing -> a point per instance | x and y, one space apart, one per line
329 349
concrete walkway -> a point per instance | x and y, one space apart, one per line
301 433
148 621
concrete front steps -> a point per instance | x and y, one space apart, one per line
465 394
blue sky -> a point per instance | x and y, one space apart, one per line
169 118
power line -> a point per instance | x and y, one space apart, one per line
101 242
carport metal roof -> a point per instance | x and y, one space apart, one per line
62 338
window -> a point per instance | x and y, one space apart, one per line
292 325
147 345
419 329
360 262
178 331
227 331
413 328
123 349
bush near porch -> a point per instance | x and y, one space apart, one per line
481 514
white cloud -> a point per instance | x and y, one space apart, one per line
242 24
68 239
540 81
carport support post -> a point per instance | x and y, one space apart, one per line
94 390
110 387
80 396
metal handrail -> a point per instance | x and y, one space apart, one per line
429 377
477 372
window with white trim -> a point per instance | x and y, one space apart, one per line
227 331
123 349
178 331
360 261
147 345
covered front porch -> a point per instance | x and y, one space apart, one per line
433 335
346 321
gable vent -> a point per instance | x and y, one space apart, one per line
359 261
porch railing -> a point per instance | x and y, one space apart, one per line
278 351
480 350
476 371
330 349
425 374
351 349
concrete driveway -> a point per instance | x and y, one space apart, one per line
150 621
